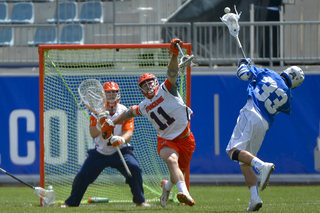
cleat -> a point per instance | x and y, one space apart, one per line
265 173
185 199
144 204
64 205
165 194
254 205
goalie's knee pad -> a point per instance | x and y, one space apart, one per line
235 155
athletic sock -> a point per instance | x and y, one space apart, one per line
168 186
256 162
182 187
254 192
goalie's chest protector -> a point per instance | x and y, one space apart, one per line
168 114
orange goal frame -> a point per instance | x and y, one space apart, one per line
41 51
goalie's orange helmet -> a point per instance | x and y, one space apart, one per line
112 91
148 84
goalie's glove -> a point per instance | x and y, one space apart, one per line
117 141
107 128
101 117
245 61
173 49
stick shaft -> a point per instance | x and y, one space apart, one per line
7 173
124 162
240 46
177 45
244 55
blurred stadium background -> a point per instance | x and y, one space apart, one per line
275 33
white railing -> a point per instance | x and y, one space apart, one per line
275 43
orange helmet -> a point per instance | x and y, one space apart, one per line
152 85
112 92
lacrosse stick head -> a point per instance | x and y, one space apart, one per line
231 20
92 95
47 196
186 61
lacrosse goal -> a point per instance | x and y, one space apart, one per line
64 122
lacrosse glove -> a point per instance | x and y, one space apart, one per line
117 141
173 49
245 61
101 118
107 128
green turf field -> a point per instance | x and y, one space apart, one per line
208 199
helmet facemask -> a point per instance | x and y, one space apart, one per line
113 97
149 87
294 75
112 92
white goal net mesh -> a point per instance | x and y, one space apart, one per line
66 122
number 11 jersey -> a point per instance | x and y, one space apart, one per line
166 111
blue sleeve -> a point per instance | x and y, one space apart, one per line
254 70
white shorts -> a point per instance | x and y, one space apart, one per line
249 131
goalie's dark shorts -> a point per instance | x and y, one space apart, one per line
184 147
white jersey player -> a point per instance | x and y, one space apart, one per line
104 146
105 152
268 94
169 115
167 112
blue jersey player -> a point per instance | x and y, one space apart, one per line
268 94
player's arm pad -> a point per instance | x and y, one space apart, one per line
129 113
243 73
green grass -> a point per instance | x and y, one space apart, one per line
208 199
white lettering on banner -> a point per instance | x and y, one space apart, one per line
62 156
14 133
84 137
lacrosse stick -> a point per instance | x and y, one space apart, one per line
47 196
93 97
231 20
186 60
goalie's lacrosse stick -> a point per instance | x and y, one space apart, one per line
93 97
185 60
47 196
231 20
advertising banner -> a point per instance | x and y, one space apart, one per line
215 100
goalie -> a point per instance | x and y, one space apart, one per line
169 115
268 94
105 152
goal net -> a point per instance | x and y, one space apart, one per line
64 122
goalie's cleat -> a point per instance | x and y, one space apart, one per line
185 199
64 205
144 204
254 205
165 194
265 173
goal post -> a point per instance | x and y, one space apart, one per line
64 121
